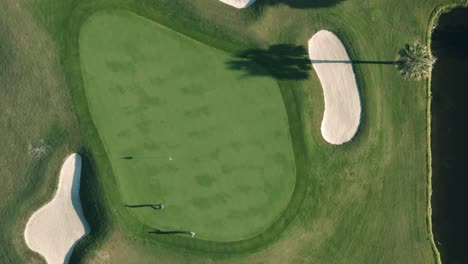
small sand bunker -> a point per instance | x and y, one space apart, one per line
238 3
334 69
54 229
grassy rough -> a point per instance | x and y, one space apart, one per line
38 126
365 202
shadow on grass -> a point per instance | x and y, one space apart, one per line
153 206
173 232
284 62
96 213
355 62
301 3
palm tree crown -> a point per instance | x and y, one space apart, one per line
415 61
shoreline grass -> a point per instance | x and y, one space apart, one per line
320 182
438 11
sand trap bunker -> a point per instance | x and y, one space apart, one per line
54 229
334 69
238 3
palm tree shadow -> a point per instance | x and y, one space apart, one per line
301 3
353 62
282 61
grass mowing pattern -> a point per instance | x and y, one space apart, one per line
37 125
181 128
336 223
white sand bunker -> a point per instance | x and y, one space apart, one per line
334 69
54 229
238 3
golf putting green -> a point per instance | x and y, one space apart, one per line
180 128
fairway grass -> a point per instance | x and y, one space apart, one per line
180 128
362 202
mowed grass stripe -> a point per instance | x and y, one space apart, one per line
211 143
382 222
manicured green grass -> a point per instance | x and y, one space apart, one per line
364 202
181 128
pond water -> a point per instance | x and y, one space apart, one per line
450 136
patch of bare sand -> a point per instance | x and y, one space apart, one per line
54 229
238 3
342 104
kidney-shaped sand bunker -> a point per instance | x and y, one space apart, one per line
342 104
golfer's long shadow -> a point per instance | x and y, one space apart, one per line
173 232
283 61
153 206
301 3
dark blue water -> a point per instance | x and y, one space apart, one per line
450 136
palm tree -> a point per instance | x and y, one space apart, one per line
415 61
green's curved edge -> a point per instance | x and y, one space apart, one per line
115 216
438 11
232 247
290 151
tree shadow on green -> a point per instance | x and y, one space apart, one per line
282 61
301 3
285 62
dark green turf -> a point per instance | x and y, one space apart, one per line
182 128
363 202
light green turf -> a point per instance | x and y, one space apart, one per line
363 202
210 143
